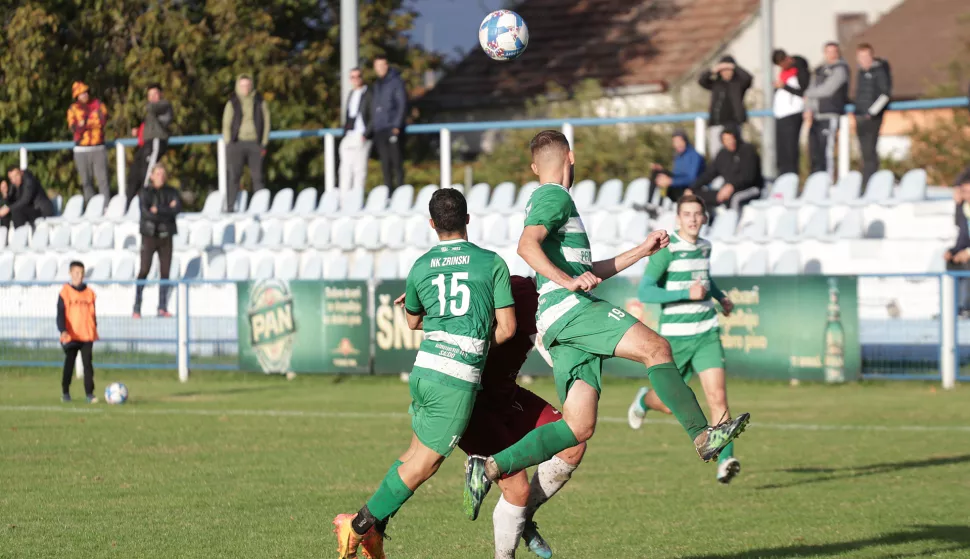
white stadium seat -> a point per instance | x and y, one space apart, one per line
241 203
496 230
878 190
282 203
200 234
724 264
306 202
47 268
287 265
311 265
477 198
367 233
101 270
329 202
401 200
525 193
376 200
237 265
6 266
318 233
503 197
847 188
609 195
816 189
123 266
116 207
386 267
351 201
784 190
249 234
362 265
756 264
634 226
215 264
788 264
73 208
60 238
912 187
25 267
417 233
41 236
20 237
259 203
636 192
583 194
263 265
134 211
724 226
335 265
342 233
95 207
271 233
192 266
295 233
392 231
817 226
422 199
212 207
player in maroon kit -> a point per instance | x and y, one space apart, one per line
504 413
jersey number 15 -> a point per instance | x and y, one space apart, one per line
460 295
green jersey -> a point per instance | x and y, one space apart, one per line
458 286
567 247
676 267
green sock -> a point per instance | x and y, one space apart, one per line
728 452
676 395
643 401
536 447
390 496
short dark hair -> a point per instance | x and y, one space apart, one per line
155 85
380 57
833 44
449 211
778 56
13 168
546 139
865 46
76 264
691 199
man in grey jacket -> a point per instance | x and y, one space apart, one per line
827 97
152 140
389 103
245 129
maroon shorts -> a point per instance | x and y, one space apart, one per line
494 428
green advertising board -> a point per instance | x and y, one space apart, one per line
395 345
303 326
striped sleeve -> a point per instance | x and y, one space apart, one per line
549 207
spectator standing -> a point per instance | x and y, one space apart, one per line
728 84
160 204
26 199
788 107
388 109
873 93
77 322
739 164
827 98
356 143
152 139
86 118
687 166
245 129
958 257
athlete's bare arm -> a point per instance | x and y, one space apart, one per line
415 321
505 328
530 249
608 268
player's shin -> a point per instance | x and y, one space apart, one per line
389 497
536 447
676 395
548 479
508 522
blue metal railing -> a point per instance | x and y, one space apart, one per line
921 105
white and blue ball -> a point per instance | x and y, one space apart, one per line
116 393
503 35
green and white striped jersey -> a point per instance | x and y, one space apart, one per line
676 267
566 246
458 286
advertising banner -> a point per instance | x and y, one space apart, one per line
395 345
304 326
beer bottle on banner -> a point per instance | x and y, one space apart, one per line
834 337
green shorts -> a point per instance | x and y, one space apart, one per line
693 354
439 413
582 345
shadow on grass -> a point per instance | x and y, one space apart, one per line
834 474
949 538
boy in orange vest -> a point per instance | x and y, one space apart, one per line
78 325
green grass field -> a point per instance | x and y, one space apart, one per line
234 465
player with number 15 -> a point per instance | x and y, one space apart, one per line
455 293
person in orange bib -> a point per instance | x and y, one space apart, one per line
78 325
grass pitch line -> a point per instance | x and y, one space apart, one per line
397 415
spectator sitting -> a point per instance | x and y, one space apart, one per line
958 257
688 165
86 118
728 83
26 200
740 166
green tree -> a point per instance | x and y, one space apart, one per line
195 49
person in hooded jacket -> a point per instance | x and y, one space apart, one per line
245 129
739 164
688 165
388 110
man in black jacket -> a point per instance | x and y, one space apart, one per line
728 83
152 140
160 204
788 107
958 257
827 97
388 110
26 199
873 91
356 143
740 166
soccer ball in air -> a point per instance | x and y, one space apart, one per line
503 35
116 393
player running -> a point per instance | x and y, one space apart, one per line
678 277
455 291
504 413
580 330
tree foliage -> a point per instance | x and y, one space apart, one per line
194 48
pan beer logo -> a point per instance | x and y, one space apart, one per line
271 326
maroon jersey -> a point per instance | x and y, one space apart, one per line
504 361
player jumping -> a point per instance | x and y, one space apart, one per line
455 291
504 413
580 330
678 277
